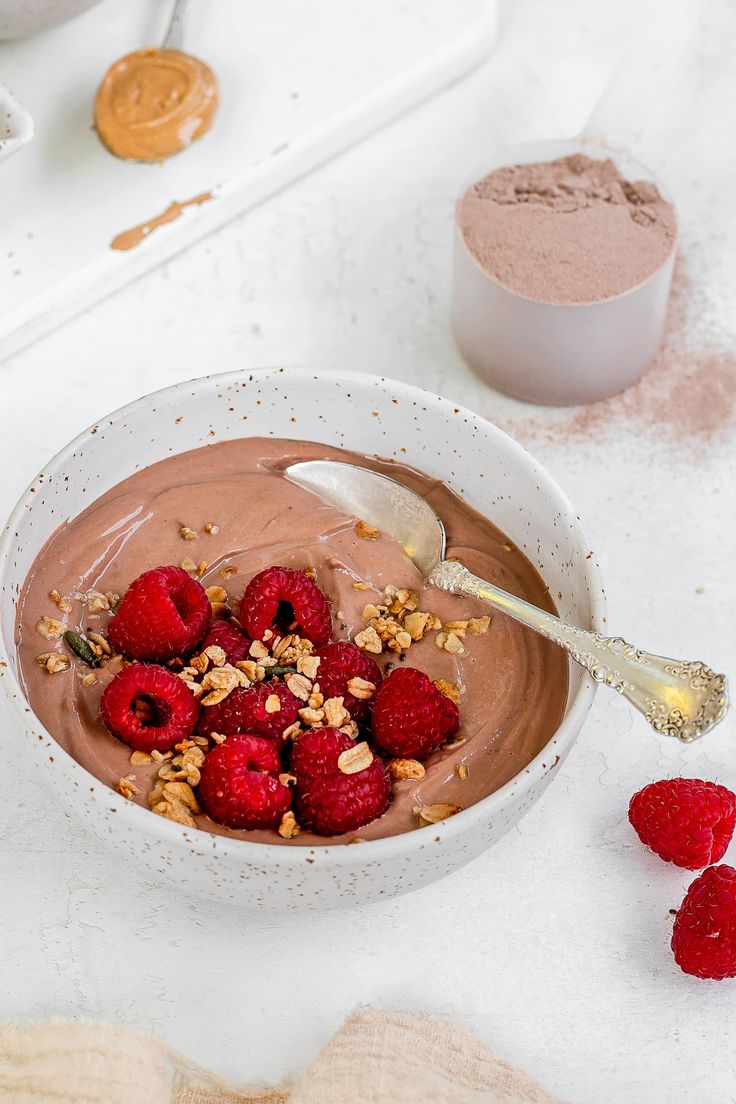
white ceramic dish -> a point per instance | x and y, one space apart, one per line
16 124
19 18
366 413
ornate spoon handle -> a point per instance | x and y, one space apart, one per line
677 697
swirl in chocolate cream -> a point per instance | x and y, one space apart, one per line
515 682
154 103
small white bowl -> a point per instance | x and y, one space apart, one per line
372 415
19 18
16 124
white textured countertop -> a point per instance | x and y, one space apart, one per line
554 945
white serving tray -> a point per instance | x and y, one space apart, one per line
299 82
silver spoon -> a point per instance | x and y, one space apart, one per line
678 698
174 38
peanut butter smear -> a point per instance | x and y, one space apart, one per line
128 239
239 516
154 103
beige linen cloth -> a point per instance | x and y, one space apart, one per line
375 1058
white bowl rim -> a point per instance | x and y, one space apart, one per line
339 855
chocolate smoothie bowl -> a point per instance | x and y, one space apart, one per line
235 682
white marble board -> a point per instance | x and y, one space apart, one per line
299 82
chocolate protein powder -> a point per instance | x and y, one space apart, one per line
567 231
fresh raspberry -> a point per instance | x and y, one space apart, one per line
338 663
282 599
240 784
245 711
149 708
164 613
328 801
704 937
230 638
685 821
411 718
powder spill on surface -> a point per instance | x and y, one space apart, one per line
687 397
572 230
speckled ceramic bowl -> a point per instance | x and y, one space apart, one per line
19 18
369 414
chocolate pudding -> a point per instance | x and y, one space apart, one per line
225 512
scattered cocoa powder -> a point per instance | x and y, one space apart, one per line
567 231
688 394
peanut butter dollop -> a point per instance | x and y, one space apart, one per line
154 103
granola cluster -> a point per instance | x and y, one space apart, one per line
91 646
397 623
173 794
287 660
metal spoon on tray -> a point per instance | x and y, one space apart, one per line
678 697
